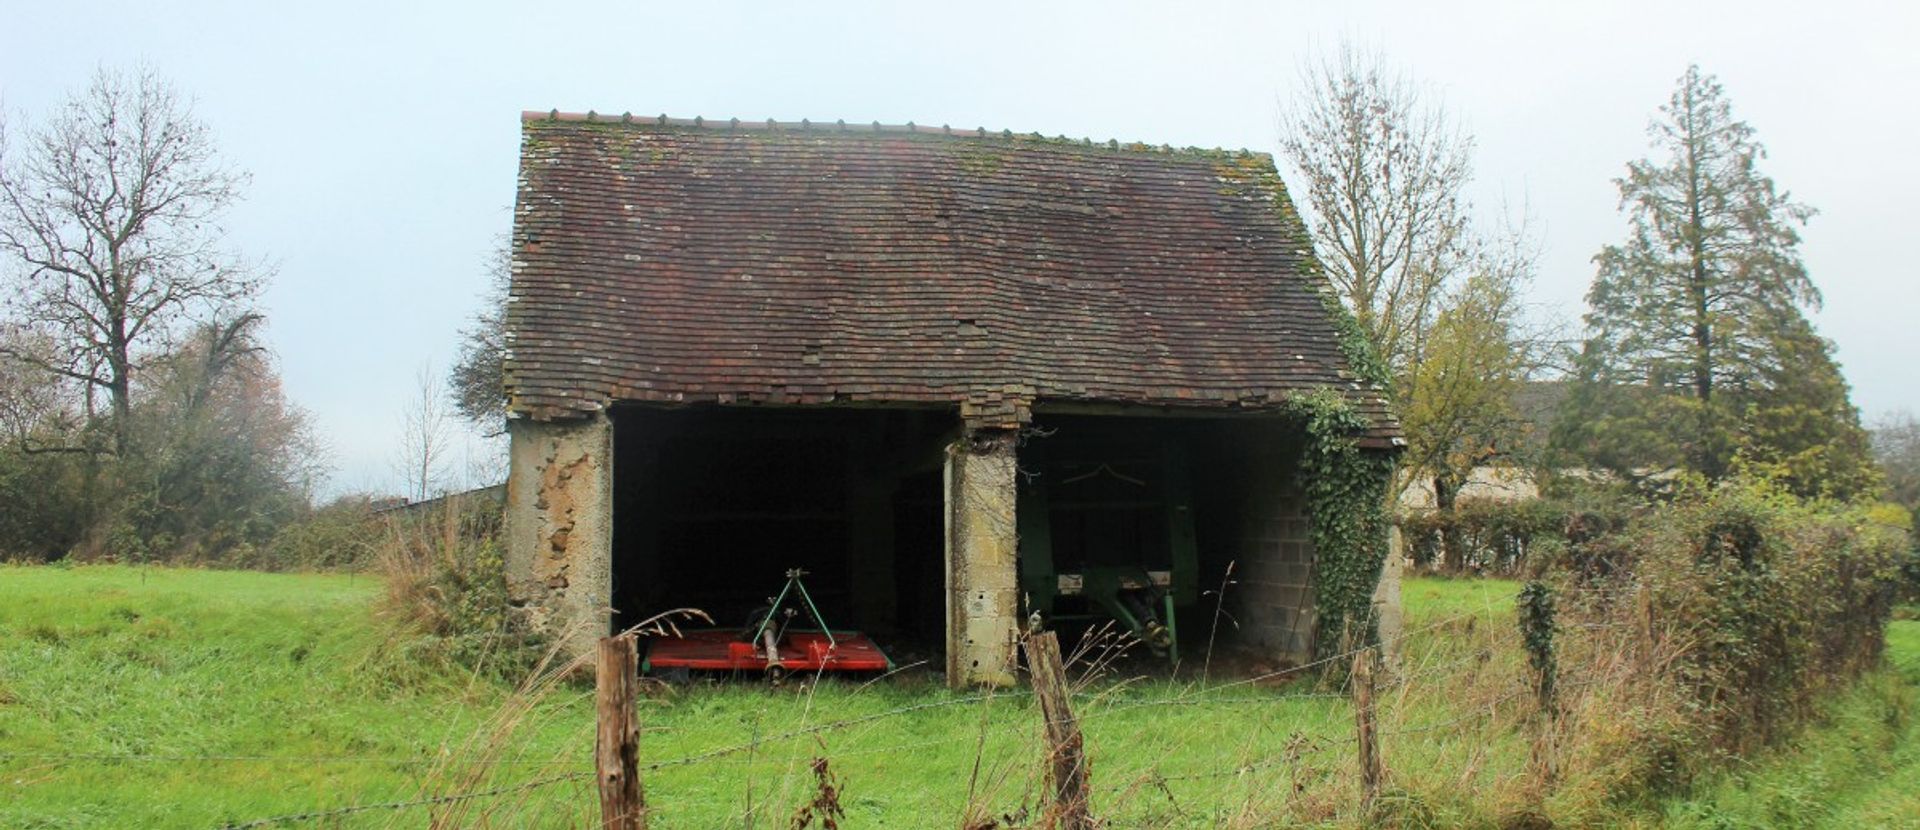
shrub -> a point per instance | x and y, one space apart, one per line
1499 537
43 512
1897 515
1728 613
446 590
343 534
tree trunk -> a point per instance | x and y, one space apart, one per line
1453 549
1706 454
120 385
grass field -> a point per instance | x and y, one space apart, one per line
196 699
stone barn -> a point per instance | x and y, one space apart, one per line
940 370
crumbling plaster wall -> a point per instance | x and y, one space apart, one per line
559 526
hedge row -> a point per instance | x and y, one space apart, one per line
1498 537
1745 602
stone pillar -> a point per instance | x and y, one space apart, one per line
983 598
559 526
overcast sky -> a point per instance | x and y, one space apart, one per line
382 138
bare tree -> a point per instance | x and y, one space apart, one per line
224 453
1896 445
1382 169
1383 172
477 379
29 403
109 218
426 436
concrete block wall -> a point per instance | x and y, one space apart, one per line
1275 570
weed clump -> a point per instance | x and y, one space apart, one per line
445 603
1654 647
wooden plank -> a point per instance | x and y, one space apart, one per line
1365 732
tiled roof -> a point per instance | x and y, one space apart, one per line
677 261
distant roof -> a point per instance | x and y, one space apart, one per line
689 261
1537 403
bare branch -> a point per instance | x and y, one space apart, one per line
109 216
1382 172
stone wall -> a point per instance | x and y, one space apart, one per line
983 601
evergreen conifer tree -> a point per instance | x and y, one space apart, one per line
1699 355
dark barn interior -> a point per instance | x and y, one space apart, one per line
712 505
1129 492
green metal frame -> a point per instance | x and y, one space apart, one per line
793 583
1040 579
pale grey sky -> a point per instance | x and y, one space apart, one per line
382 137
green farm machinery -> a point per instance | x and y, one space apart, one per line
1107 533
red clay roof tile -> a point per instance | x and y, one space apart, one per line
662 260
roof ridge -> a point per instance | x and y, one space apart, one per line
875 127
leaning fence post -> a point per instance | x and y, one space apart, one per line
616 746
1066 751
1364 730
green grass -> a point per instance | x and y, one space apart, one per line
161 698
180 698
1857 766
1432 599
160 665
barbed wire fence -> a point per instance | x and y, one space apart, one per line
1004 791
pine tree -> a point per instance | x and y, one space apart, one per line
1699 355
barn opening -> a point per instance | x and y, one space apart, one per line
1138 519
714 504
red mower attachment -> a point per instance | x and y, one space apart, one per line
770 643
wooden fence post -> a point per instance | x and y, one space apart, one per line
616 745
1066 751
1364 728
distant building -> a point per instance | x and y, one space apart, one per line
1512 476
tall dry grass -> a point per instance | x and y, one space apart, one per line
445 605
